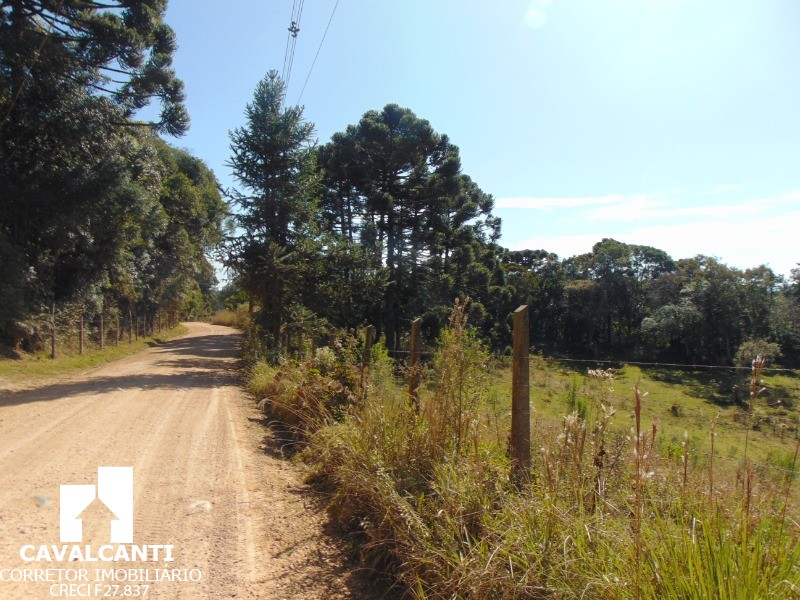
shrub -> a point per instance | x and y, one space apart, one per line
459 384
749 350
308 395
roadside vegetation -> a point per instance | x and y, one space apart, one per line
30 367
640 486
236 316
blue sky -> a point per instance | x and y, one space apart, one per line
672 123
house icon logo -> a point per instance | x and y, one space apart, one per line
114 489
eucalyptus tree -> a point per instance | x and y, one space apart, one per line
182 228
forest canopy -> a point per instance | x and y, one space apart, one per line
380 226
97 214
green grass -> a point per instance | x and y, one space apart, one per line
32 367
679 401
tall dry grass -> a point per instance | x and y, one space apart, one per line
427 496
239 318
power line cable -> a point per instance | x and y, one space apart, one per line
288 42
294 29
314 62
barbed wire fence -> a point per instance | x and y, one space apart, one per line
699 457
74 331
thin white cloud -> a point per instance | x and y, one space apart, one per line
551 203
563 245
741 243
640 207
653 210
742 234
793 196
632 208
726 187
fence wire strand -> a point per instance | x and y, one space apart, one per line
691 367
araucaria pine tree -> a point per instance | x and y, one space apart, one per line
273 162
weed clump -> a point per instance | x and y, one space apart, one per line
306 396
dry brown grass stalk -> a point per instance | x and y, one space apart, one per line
638 500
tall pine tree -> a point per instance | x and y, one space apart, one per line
272 160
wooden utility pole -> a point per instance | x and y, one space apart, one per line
116 334
521 401
369 336
102 333
80 333
413 365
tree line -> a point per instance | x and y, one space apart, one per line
380 225
97 214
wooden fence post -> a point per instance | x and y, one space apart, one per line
53 333
369 335
102 333
413 365
520 401
300 343
80 333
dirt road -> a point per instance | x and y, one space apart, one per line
240 522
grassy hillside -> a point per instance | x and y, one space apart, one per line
678 400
